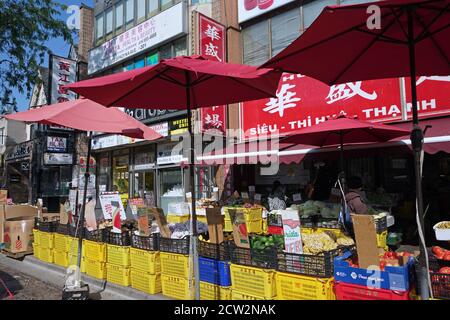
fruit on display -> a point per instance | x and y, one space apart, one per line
313 208
443 225
320 242
441 253
262 242
445 270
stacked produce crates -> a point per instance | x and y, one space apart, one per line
118 260
214 270
45 240
94 253
145 263
176 269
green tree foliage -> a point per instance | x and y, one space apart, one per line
25 27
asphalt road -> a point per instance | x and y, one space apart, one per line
24 287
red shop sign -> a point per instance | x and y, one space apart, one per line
212 44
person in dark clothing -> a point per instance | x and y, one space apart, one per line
353 197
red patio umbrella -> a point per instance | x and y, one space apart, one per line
384 39
86 115
184 82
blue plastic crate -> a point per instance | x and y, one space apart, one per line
392 278
214 271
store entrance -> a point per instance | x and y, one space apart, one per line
144 186
171 188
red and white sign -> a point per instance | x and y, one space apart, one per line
63 72
212 44
304 102
249 9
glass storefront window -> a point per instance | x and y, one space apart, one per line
121 172
152 59
165 52
180 47
171 187
256 43
140 63
103 172
285 29
312 10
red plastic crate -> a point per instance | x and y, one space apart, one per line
346 291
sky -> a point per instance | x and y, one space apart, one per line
57 45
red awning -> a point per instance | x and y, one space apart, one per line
437 139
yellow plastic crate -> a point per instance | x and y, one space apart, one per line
46 254
118 255
175 264
236 295
177 287
145 282
171 218
297 287
228 227
61 258
73 259
337 232
36 251
61 242
95 268
73 246
118 274
209 291
36 237
254 281
95 250
147 261
202 219
46 240
253 220
252 226
265 226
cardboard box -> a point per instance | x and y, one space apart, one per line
239 224
366 240
215 224
19 234
8 212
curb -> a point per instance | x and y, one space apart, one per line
55 275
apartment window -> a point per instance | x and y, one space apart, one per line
129 11
180 47
140 10
153 7
285 29
165 4
99 26
119 15
165 52
109 21
312 10
256 43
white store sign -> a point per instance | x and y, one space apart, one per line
163 27
249 9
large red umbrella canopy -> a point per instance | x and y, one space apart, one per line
179 82
340 47
329 133
87 115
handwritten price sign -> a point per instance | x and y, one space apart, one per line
111 201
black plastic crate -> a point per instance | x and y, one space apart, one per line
48 226
440 282
118 239
95 235
63 229
180 246
72 231
266 258
150 243
321 265
215 251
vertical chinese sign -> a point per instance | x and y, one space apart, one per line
62 72
212 44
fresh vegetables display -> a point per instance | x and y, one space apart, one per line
443 225
441 254
320 242
261 242
388 259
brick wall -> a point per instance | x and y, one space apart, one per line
86 32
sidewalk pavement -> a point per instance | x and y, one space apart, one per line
55 275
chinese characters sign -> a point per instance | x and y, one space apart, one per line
304 102
56 144
63 72
212 43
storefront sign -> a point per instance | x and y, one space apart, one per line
179 126
63 71
212 44
56 144
161 128
83 165
102 142
142 167
58 158
249 9
19 151
154 115
110 203
161 28
169 153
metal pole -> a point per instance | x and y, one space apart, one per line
83 205
193 240
417 144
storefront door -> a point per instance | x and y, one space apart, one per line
171 187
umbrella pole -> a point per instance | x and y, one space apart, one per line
83 205
193 240
417 144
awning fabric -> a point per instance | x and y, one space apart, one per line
437 139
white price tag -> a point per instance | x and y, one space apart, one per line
251 189
215 189
244 195
297 197
257 197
